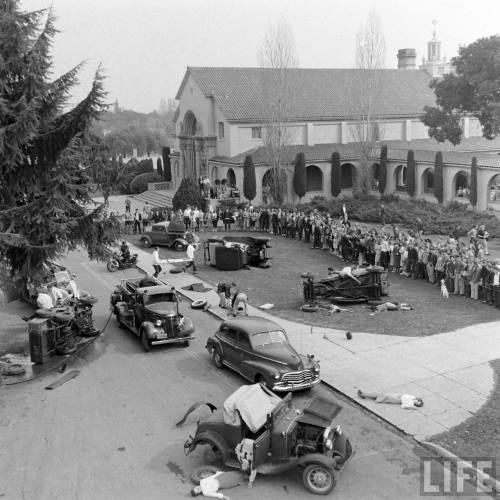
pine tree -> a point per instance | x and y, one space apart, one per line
249 181
382 173
336 180
438 177
43 191
410 165
167 170
473 183
300 175
188 194
159 169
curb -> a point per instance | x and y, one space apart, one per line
443 452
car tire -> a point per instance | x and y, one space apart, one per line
178 246
146 242
319 479
87 299
175 270
218 359
198 304
146 343
203 471
112 265
14 369
44 313
309 308
63 316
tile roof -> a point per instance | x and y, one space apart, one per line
243 94
425 151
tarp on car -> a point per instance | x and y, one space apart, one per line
250 403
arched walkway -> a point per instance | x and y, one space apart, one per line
314 178
231 178
214 175
461 184
494 190
268 181
428 180
348 173
374 176
400 180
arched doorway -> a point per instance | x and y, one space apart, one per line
493 192
189 124
400 180
428 180
314 178
374 176
461 184
268 183
231 178
214 175
348 171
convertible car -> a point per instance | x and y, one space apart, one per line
259 350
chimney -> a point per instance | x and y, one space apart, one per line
406 59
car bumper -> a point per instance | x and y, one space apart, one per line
282 387
177 340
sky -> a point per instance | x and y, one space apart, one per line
145 46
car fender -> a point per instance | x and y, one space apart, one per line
121 308
251 368
317 458
211 438
180 240
214 343
188 326
150 329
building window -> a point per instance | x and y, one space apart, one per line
256 132
221 130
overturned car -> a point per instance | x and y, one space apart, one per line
261 433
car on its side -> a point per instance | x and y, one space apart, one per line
170 234
151 311
259 350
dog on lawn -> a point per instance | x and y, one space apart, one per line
444 290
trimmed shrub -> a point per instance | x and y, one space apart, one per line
159 169
473 183
382 174
167 169
410 165
140 183
336 181
188 193
146 166
249 181
300 175
438 177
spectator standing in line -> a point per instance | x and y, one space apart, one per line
382 214
127 206
482 236
187 217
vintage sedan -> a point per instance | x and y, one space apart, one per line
259 350
170 234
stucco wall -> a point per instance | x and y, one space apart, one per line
326 133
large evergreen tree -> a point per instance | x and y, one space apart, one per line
249 181
188 194
300 175
438 177
44 194
473 183
410 165
159 168
336 178
167 169
382 173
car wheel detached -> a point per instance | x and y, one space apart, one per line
198 304
218 359
202 472
318 479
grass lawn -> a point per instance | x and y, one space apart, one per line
282 286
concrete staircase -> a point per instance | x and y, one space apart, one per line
155 199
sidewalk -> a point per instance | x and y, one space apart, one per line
450 371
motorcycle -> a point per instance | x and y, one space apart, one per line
117 262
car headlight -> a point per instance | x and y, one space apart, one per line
329 444
158 322
338 430
277 376
316 368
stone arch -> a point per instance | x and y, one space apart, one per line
461 184
267 183
400 178
314 178
374 176
214 175
348 174
189 124
493 189
428 180
231 177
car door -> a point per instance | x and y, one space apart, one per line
159 234
228 337
245 354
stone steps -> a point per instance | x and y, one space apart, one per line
156 199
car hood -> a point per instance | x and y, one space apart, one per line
320 412
283 353
161 310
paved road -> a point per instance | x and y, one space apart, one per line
110 434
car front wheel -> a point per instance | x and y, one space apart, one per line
178 246
146 343
318 479
146 242
218 359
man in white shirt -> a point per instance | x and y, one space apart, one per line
157 262
407 401
210 486
44 299
190 255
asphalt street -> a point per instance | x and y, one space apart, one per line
110 433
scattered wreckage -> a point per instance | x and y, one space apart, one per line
259 432
151 311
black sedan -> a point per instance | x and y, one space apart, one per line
259 350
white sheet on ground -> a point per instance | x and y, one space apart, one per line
252 404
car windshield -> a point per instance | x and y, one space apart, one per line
265 338
167 299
